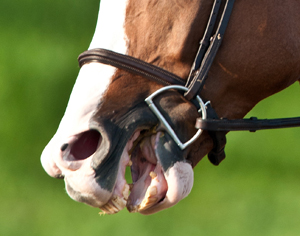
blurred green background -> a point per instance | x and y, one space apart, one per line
255 191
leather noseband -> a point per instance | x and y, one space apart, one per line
209 45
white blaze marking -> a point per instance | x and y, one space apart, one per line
109 32
92 81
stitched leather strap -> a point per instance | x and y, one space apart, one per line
129 64
216 127
199 79
205 42
251 124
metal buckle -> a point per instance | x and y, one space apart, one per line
164 124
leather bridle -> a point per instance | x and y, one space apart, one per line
209 45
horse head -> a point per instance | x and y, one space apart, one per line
108 126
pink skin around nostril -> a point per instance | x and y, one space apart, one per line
86 145
51 168
72 154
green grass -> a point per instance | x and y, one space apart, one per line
255 191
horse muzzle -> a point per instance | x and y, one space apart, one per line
93 164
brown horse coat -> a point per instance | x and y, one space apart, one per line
259 56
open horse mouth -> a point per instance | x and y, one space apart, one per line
149 184
93 162
153 188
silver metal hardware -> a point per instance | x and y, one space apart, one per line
200 110
165 125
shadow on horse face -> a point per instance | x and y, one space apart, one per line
125 134
108 127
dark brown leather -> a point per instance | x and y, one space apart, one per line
130 64
217 127
217 154
205 42
196 84
251 124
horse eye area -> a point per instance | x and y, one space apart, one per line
85 145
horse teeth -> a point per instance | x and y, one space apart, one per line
116 203
126 191
114 208
146 203
152 191
111 208
133 209
149 200
153 175
152 200
130 186
120 203
105 210
129 163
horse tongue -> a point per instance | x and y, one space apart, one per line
177 172
148 190
149 183
163 184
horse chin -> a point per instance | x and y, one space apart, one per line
160 178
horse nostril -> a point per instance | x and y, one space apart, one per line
59 176
64 147
85 145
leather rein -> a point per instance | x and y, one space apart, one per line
209 121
